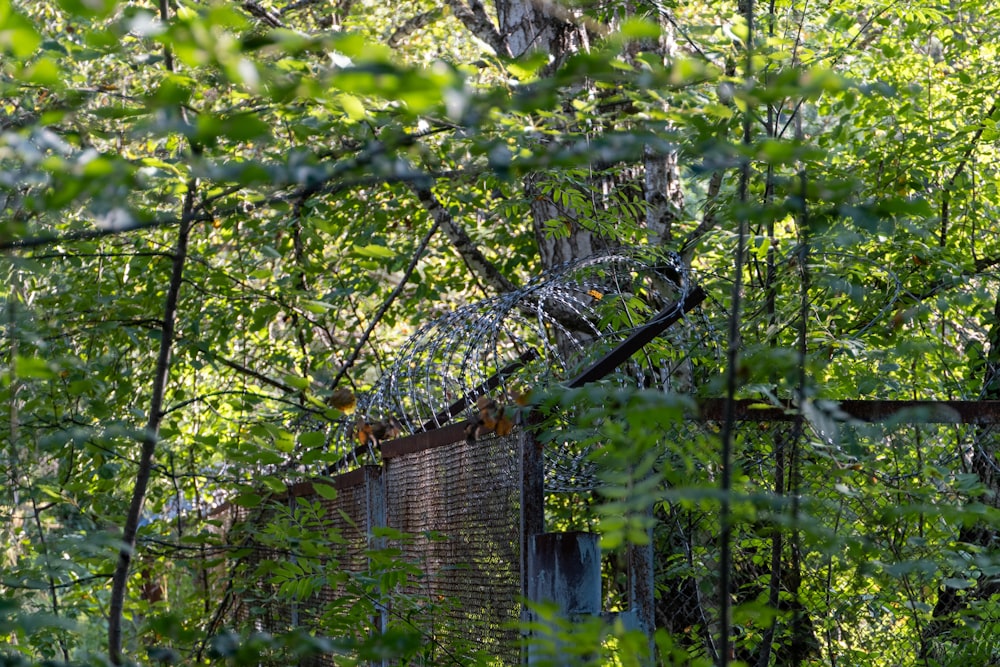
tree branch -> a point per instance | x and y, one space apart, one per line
331 182
413 24
946 194
708 219
474 17
243 370
94 234
467 249
257 10
386 304
982 264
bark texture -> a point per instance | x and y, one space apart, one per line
540 25
565 233
524 26
662 183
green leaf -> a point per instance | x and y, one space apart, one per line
273 484
120 111
955 582
325 491
317 307
312 439
247 499
527 67
773 151
174 90
352 106
374 251
33 367
89 8
295 381
17 34
209 128
284 440
636 28
263 316
51 492
44 72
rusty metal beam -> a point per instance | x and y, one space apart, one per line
904 412
711 409
418 442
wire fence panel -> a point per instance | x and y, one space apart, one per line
460 504
299 550
852 543
856 544
450 512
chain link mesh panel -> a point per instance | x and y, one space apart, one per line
870 544
460 503
453 515
862 539
303 581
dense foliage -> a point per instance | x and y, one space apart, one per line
217 215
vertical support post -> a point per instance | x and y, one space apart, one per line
641 588
293 606
565 569
374 501
376 517
532 518
532 491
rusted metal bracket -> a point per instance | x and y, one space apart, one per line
490 383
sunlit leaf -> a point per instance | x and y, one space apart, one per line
17 34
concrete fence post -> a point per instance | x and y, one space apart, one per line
563 569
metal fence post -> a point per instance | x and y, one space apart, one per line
641 587
375 517
532 489
564 569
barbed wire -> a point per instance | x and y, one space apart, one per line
551 328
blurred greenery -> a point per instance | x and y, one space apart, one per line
287 144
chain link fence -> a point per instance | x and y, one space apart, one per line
859 547
852 544
429 541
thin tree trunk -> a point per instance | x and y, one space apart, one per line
662 183
119 582
467 249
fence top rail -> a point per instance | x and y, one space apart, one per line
875 411
709 409
713 409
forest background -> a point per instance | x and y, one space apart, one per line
218 216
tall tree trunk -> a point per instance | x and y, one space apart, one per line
981 459
540 25
553 28
555 247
